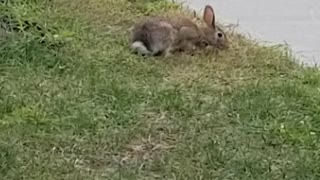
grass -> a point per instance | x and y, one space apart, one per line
80 105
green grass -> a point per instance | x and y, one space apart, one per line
80 105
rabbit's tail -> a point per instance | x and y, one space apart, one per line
140 48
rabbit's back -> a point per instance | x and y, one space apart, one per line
155 34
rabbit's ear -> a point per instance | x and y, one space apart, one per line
195 18
209 17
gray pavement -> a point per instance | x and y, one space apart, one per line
292 22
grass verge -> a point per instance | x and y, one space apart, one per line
75 103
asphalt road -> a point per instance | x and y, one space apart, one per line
292 22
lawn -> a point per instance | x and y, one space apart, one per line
75 103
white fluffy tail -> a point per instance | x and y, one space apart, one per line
140 48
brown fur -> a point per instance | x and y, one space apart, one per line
171 34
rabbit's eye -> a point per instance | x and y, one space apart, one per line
220 35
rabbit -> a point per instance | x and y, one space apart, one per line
159 35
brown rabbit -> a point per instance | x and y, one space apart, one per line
159 35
